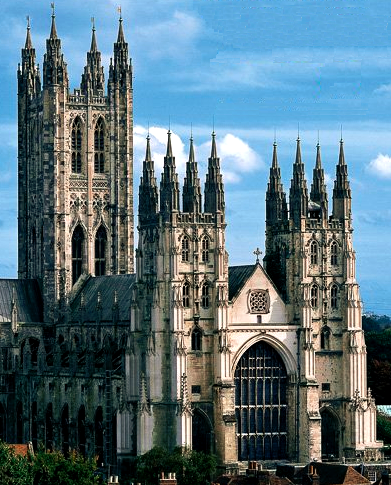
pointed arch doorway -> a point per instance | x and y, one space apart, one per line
261 404
202 432
330 434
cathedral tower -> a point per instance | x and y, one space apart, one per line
75 170
310 257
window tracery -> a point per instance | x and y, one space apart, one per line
185 249
99 147
314 252
76 146
259 301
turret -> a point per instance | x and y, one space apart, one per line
276 207
28 75
214 188
92 80
148 191
342 196
121 70
54 66
298 196
318 206
169 186
191 186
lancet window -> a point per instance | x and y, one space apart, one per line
334 254
186 294
196 339
205 297
334 297
99 147
205 250
185 249
100 251
314 252
314 296
77 253
76 146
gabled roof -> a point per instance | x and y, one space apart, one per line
334 474
237 277
107 286
28 300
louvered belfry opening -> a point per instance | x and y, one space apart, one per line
261 404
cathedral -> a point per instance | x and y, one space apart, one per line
264 362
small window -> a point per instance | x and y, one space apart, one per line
205 295
186 294
325 338
334 297
196 389
205 250
334 254
196 339
185 249
314 296
326 386
314 252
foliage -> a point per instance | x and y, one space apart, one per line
191 467
14 469
45 468
383 428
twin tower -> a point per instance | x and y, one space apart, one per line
249 362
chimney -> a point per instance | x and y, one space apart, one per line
167 480
113 480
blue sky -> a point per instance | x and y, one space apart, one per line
255 67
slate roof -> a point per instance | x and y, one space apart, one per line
28 299
334 474
107 286
237 277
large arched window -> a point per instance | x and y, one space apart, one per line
334 254
34 425
261 404
99 147
77 253
76 146
314 252
334 297
186 294
19 423
205 250
49 427
99 436
100 251
81 430
185 249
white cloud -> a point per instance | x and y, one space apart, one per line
237 157
383 89
380 166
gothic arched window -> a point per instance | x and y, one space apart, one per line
81 430
196 339
77 253
49 427
99 147
205 295
100 251
334 297
186 294
205 250
185 249
76 146
314 296
65 430
99 429
334 254
314 252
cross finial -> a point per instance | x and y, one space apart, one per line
119 10
52 7
93 23
257 253
28 21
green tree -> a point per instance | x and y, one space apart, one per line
14 469
191 467
383 428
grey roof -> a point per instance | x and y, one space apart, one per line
27 297
107 286
237 277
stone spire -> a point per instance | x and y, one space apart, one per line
148 191
318 196
54 66
298 196
214 188
28 75
92 81
342 196
169 186
276 207
192 186
121 71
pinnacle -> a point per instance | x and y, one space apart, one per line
318 157
28 44
341 154
298 152
169 147
94 46
148 157
53 30
121 37
275 161
213 153
191 151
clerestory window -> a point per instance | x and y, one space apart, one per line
76 146
99 147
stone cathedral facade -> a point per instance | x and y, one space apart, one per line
256 362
